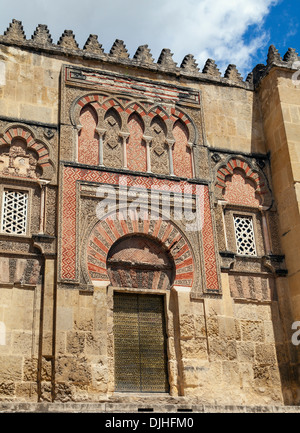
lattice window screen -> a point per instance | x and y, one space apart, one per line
244 235
14 214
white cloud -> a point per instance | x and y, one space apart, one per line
204 28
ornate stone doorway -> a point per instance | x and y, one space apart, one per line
136 265
140 343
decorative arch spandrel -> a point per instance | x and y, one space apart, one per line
238 182
163 236
24 155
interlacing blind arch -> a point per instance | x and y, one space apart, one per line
134 137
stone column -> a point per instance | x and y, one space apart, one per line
148 144
101 133
170 145
77 130
265 231
42 205
124 136
191 146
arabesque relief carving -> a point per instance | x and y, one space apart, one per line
17 160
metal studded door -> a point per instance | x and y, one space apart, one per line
140 343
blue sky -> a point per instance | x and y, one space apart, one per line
282 25
228 31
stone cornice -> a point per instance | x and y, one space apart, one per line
67 47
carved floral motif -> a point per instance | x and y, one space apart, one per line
17 160
159 152
112 148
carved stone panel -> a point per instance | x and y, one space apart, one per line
138 261
17 160
159 151
112 148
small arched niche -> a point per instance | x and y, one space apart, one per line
240 190
182 159
136 150
88 149
138 261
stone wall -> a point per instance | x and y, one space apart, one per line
280 103
220 351
19 347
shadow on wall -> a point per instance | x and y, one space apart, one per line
281 313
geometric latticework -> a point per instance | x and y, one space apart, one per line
14 212
244 235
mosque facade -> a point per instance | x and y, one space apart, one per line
150 227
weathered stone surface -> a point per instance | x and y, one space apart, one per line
41 35
67 40
92 45
119 50
189 63
143 55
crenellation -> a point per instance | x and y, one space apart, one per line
250 78
15 31
42 35
210 68
143 55
67 40
273 57
189 64
92 45
42 38
166 59
233 74
119 50
291 56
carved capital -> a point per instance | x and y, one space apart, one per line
100 131
124 135
170 142
147 139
